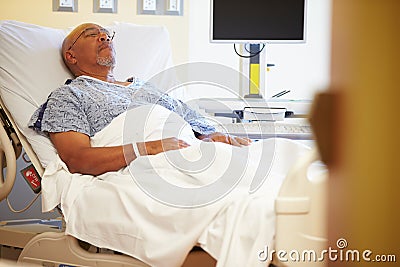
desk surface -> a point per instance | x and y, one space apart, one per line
298 129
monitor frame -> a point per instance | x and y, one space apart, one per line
259 41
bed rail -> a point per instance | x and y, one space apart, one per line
21 142
301 215
63 249
8 157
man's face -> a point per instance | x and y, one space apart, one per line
92 46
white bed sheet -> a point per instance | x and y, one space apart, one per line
232 229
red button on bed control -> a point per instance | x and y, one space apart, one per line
32 178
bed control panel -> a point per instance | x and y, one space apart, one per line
32 178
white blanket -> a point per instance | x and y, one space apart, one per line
137 212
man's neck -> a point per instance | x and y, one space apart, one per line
107 77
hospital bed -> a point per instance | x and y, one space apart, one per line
31 67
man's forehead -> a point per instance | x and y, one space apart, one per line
78 30
84 26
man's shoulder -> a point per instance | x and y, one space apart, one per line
70 87
64 93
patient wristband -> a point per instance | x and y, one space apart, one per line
136 149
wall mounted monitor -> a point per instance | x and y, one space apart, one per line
258 21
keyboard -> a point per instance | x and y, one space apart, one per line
266 129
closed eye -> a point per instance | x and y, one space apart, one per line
92 35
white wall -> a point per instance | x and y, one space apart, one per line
201 50
301 68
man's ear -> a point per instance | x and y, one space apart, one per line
70 57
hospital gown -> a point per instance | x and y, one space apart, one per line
87 105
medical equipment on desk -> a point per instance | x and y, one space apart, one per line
224 106
17 75
258 118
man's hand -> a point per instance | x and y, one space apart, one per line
225 138
76 151
158 146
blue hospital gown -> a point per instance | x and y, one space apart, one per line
87 105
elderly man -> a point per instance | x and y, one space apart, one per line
76 111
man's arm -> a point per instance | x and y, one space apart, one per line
76 151
225 138
201 128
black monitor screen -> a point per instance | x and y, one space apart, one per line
258 21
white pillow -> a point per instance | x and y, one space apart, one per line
32 66
143 51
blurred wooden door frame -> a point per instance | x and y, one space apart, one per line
364 181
